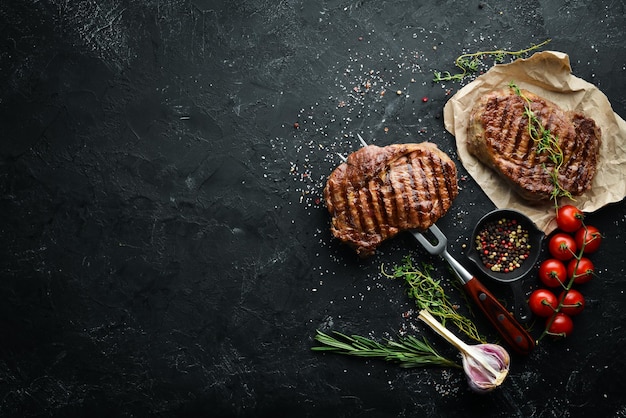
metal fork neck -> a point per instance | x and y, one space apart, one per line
463 274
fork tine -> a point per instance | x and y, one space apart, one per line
425 243
435 249
441 237
363 143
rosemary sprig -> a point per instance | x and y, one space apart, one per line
429 294
547 143
469 63
408 351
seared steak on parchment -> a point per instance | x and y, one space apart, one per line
381 191
498 135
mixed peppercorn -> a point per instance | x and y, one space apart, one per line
503 245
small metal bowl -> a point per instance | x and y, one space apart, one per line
535 238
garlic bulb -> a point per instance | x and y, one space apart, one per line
486 365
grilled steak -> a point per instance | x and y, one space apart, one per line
498 135
381 191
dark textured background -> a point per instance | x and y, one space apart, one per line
164 248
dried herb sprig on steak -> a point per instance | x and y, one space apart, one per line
547 143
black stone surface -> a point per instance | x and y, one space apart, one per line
164 250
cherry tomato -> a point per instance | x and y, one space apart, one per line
562 326
562 246
569 218
573 303
542 302
552 272
591 236
581 270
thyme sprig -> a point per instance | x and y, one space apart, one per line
408 351
547 143
470 62
429 294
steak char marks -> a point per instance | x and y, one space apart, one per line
498 136
381 191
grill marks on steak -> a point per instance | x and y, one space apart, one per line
498 136
381 191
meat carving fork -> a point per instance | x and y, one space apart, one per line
504 322
508 327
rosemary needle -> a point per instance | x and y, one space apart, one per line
408 351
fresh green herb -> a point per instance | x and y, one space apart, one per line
547 143
429 294
407 351
469 63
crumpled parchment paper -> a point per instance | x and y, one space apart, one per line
547 74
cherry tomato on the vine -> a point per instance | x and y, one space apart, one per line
552 273
591 236
562 246
581 270
573 303
562 326
569 218
542 302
